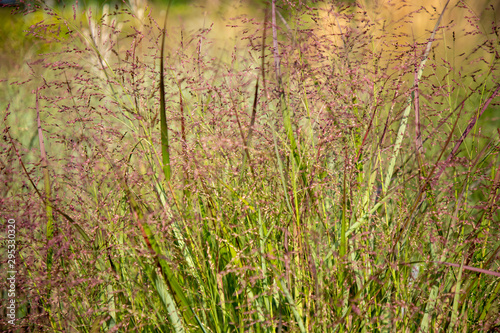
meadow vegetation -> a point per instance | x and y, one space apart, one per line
301 167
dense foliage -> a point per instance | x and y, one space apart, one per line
320 168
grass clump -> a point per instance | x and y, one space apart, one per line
329 173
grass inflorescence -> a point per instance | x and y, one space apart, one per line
326 168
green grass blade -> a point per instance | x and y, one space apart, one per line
165 146
181 300
293 307
168 302
456 299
